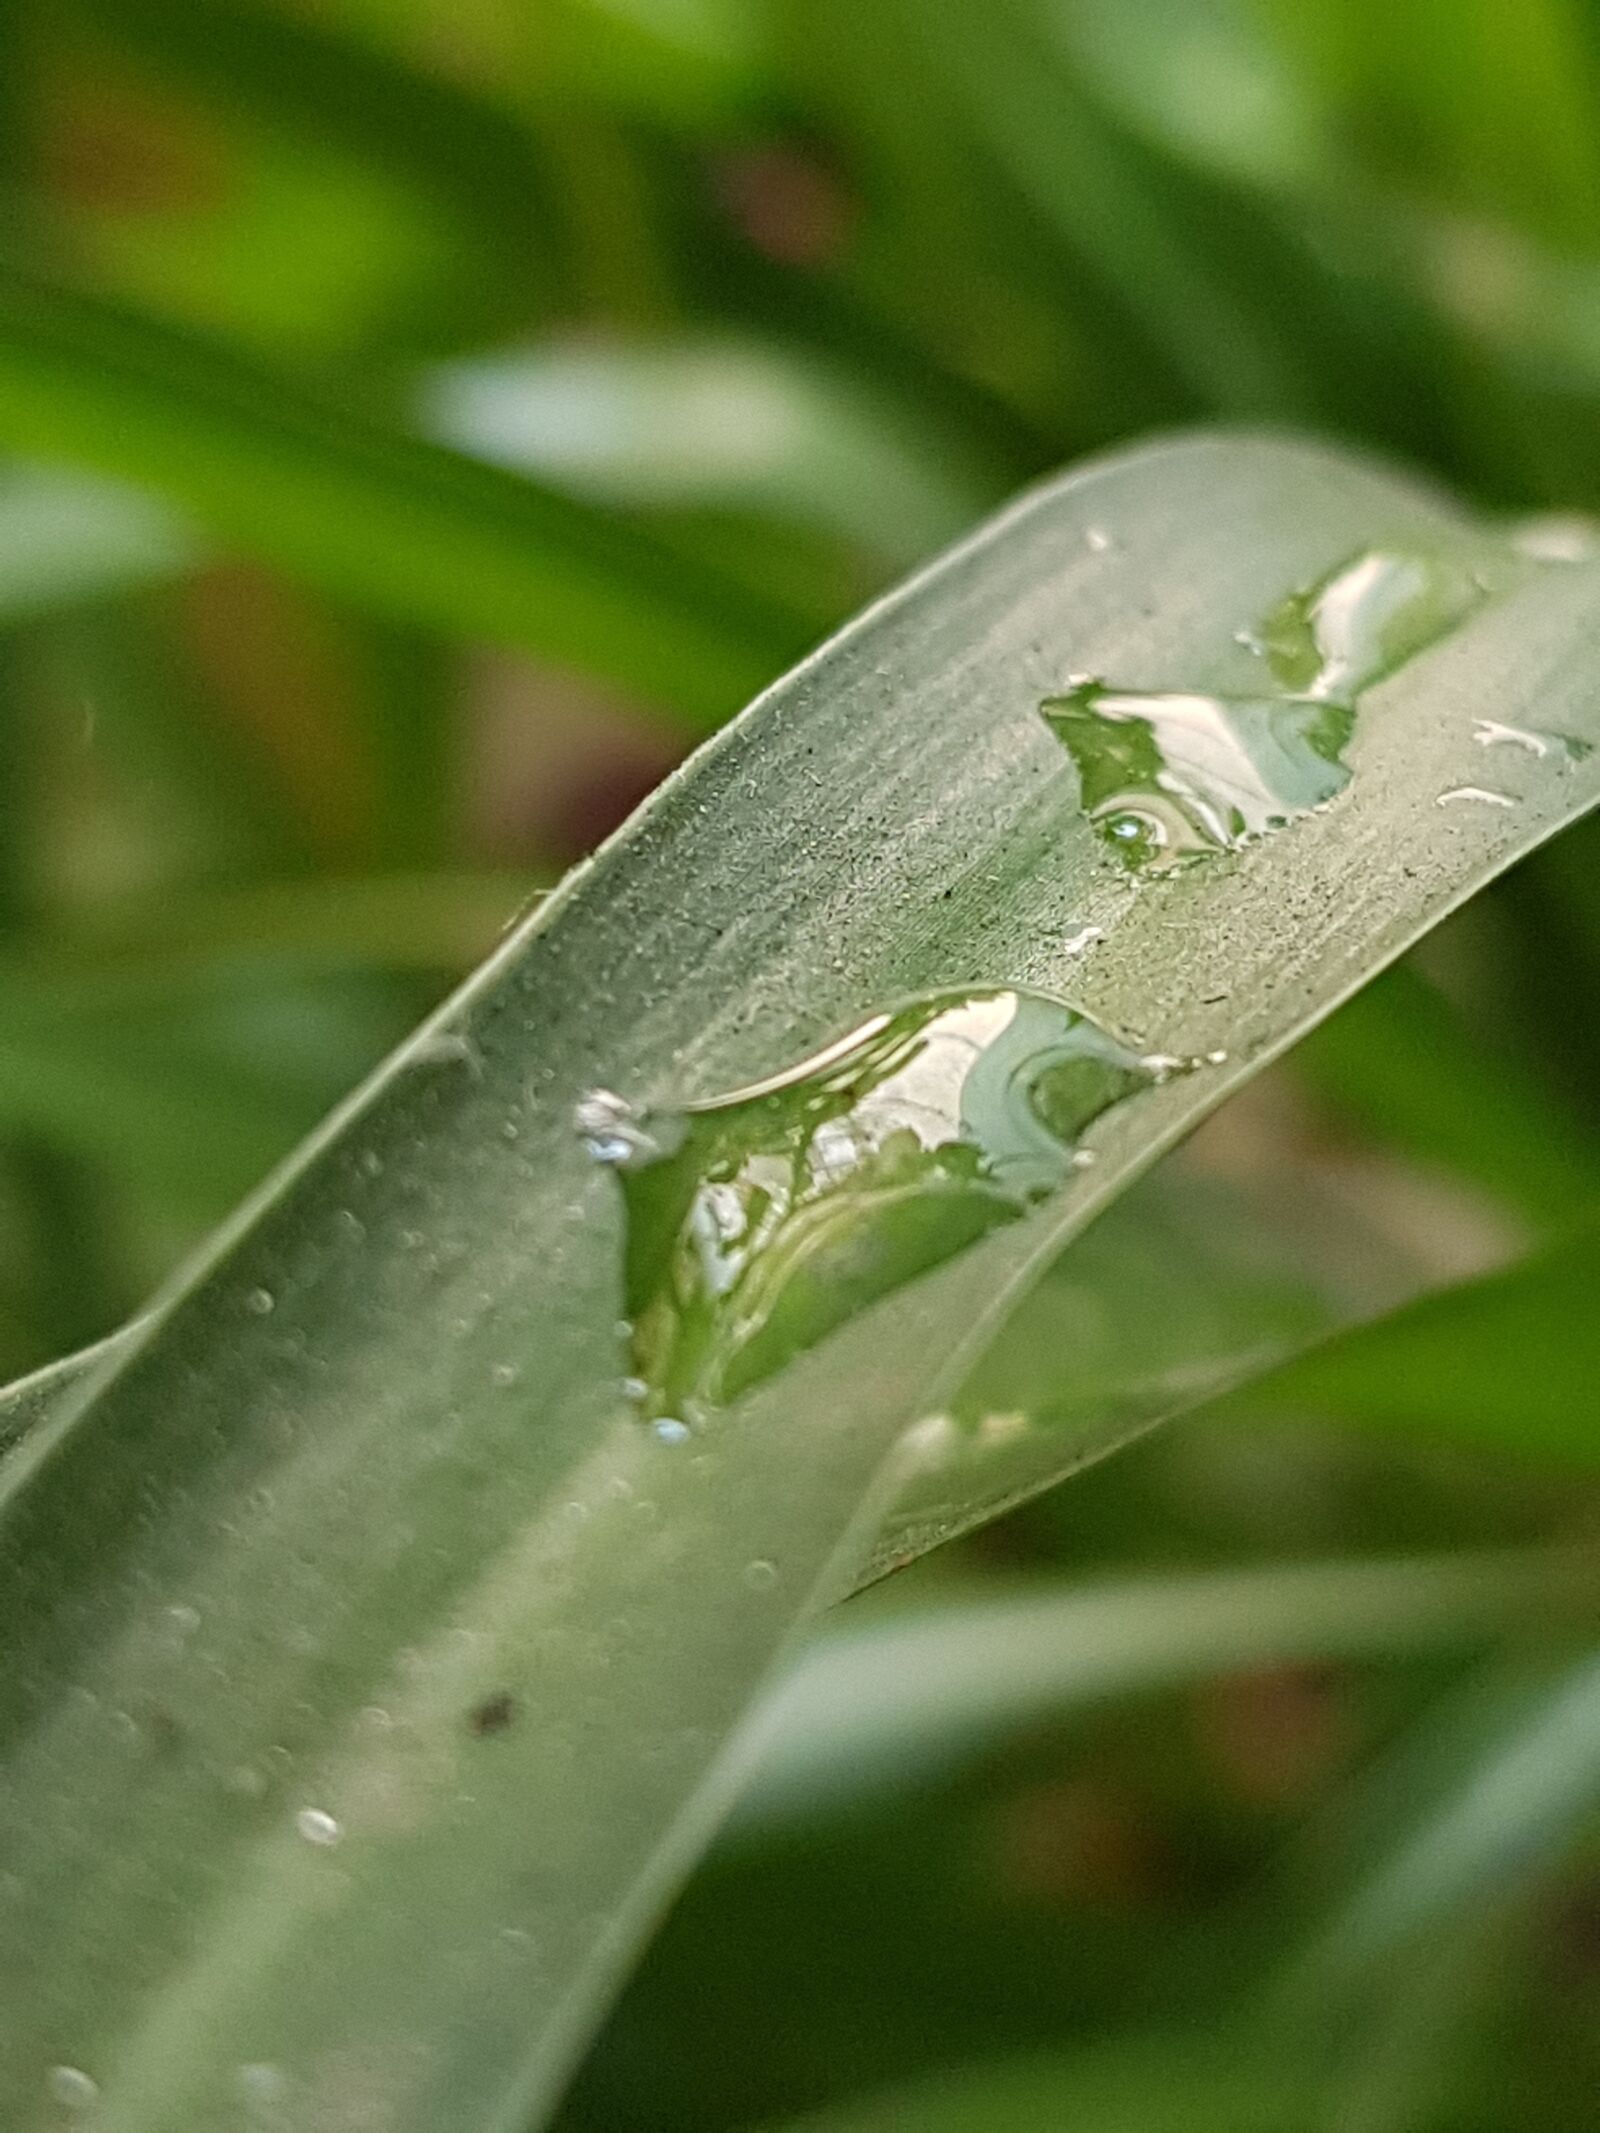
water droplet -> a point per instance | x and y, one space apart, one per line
448 1047
317 1826
1557 537
1362 621
1479 795
635 1389
670 1430
1084 938
185 1620
785 1207
761 1574
73 2089
261 2083
259 1302
505 1373
609 1128
1490 733
1098 540
1166 777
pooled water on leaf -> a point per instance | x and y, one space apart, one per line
1167 776
760 1221
1354 627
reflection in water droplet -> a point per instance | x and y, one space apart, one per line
317 1827
1490 733
73 2089
773 1214
1479 795
1362 621
1166 776
670 1430
1098 540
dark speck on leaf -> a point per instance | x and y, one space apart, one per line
493 1715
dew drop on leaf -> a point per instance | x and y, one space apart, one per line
785 1207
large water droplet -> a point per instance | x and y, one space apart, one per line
1358 624
1166 776
773 1214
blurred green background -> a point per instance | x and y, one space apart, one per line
421 420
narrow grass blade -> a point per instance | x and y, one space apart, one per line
373 1660
371 514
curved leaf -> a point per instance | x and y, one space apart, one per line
373 1663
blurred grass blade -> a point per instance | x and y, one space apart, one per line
875 1703
66 538
1483 1798
1143 2083
1507 1363
409 528
1404 1063
713 424
372 1659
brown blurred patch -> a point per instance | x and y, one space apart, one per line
1081 1841
556 762
786 203
110 143
1271 1736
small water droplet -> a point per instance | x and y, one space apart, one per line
259 1302
1084 938
261 2083
761 1574
1567 747
73 2089
1479 795
185 1620
317 1826
1098 540
448 1047
635 1389
505 1373
787 1206
670 1430
1557 537
1216 1058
